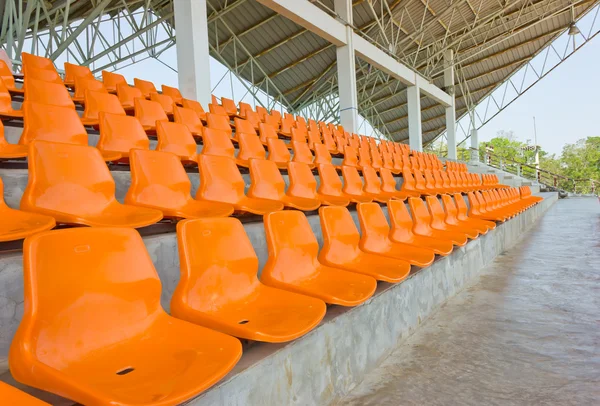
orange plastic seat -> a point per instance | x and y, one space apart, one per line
353 185
6 108
477 209
48 93
196 106
265 132
177 139
73 71
145 87
8 78
229 106
165 101
267 183
322 155
402 230
243 126
97 102
462 210
302 153
341 249
127 94
239 304
302 182
217 143
158 181
278 152
452 217
13 396
112 80
422 224
388 184
217 109
40 62
350 158
148 113
221 181
93 316
73 184
119 134
190 119
438 220
173 93
373 187
375 238
45 75
293 264
17 224
11 151
56 124
330 190
249 147
84 83
218 122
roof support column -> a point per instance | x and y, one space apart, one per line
450 110
415 135
474 137
346 71
193 61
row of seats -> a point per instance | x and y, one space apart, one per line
138 354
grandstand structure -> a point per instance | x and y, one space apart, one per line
151 235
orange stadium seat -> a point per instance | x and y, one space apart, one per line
452 217
73 184
44 75
322 155
302 153
249 146
221 181
293 264
218 122
99 102
56 124
353 186
341 249
478 209
267 183
422 224
112 80
438 220
375 238
114 366
158 181
11 151
217 143
373 187
388 184
278 152
84 83
265 132
119 134
145 87
190 119
177 139
229 106
237 304
39 62
330 190
173 93
148 113
73 71
165 101
218 110
462 210
9 80
127 94
243 126
350 157
48 93
196 106
13 396
17 224
6 108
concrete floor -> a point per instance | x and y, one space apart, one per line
527 332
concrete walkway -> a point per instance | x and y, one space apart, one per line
527 332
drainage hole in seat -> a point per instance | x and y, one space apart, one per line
243 321
125 371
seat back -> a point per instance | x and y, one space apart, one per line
5 98
217 109
266 131
292 246
374 227
302 181
166 102
45 75
34 61
388 182
330 182
51 123
121 133
84 83
145 87
302 152
173 93
438 216
196 106
278 151
353 184
67 178
205 256
127 94
217 143
372 181
148 113
402 223
265 180
299 135
73 71
229 106
328 140
340 235
177 139
420 215
97 102
322 155
190 119
112 80
250 147
314 138
52 298
218 122
450 209
364 157
157 179
243 126
220 179
54 94
409 184
6 74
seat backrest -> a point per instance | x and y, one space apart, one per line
402 223
266 131
34 61
67 178
48 93
127 94
51 123
50 296
196 106
243 126
111 80
218 122
278 150
328 140
6 74
5 97
217 109
250 147
272 121
314 138
299 135
364 157
376 161
96 102
420 215
45 75
220 179
157 179
73 71
374 226
165 101
438 216
245 108
350 158
173 93
353 184
121 133
330 182
148 112
450 209
217 143
340 235
388 182
302 152
420 182
145 86
177 139
189 118
461 206
84 83
302 181
265 180
290 240
322 155
229 106
372 181
205 256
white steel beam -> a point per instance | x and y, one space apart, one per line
450 110
415 135
193 61
346 71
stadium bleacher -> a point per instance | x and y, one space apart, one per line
96 262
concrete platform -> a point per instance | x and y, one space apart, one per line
526 333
